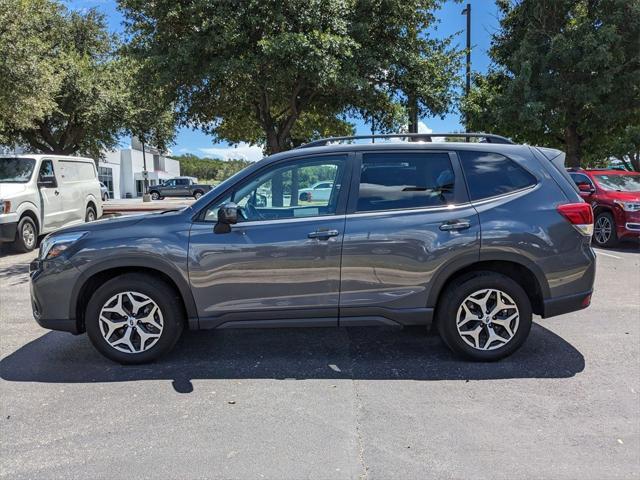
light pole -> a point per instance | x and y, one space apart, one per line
145 175
467 12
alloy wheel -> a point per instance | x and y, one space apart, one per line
131 322
602 230
487 319
28 235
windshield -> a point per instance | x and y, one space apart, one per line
620 183
16 170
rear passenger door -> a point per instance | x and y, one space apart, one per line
408 217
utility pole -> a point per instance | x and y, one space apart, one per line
467 12
145 175
412 99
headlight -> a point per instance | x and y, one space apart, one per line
628 206
53 245
5 206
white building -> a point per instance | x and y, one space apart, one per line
122 170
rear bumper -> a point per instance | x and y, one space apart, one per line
8 231
568 303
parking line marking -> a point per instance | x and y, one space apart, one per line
598 252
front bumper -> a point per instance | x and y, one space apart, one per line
629 225
51 289
8 231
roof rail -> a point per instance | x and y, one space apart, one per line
415 137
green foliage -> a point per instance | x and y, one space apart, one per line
28 79
280 73
209 170
67 89
566 73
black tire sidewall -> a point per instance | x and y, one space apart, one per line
18 243
155 196
165 297
452 300
197 194
86 215
613 238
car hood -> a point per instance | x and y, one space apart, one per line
624 196
9 190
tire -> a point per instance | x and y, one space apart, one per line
105 197
197 194
90 215
169 317
451 314
304 197
604 230
155 196
26 235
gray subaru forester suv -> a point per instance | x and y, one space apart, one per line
476 236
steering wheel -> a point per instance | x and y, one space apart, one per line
250 212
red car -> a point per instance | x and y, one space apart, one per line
615 198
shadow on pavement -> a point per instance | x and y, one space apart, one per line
321 353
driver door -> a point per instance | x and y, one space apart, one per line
280 264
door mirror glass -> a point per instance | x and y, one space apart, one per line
47 182
585 187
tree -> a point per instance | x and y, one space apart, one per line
282 73
84 110
566 73
27 81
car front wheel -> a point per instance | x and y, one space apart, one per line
26 235
197 194
604 230
484 316
134 318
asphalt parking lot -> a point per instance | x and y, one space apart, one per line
328 403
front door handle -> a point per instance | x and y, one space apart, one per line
455 225
323 234
56 192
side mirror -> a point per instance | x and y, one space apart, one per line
227 216
585 188
47 182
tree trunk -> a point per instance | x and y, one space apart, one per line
573 143
635 161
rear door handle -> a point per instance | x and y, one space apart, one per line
455 225
323 234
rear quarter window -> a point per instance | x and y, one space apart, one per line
490 174
77 171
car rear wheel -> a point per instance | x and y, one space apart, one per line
134 318
90 215
26 235
604 230
484 316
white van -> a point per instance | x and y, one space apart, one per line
41 193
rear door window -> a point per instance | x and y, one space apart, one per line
398 180
491 174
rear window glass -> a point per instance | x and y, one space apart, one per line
392 181
491 174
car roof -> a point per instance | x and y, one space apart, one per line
606 171
39 156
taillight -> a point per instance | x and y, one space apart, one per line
579 214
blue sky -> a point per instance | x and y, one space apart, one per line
484 23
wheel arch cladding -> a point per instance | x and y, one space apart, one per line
90 281
518 272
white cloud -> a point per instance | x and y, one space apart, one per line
242 151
